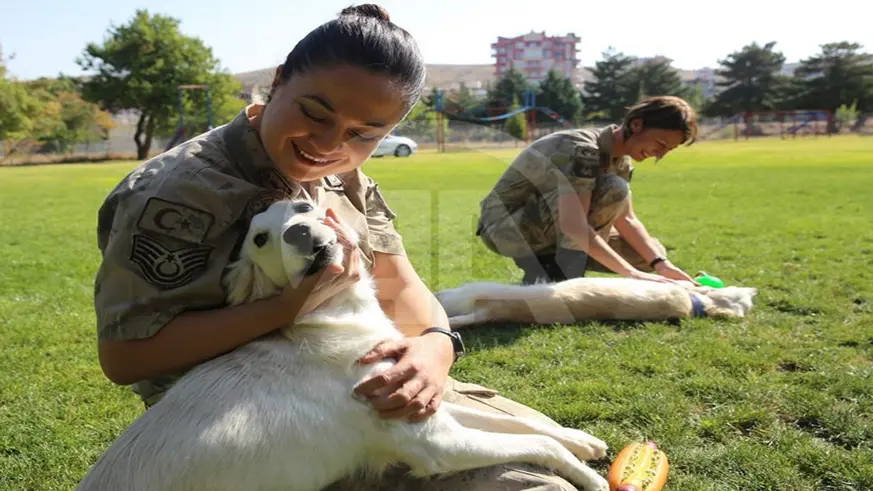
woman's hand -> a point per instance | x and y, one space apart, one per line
321 286
668 270
412 389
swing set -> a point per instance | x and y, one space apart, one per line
179 134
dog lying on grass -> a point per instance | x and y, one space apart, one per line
278 413
595 298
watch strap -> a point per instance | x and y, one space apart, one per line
457 343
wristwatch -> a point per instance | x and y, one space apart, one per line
657 260
457 342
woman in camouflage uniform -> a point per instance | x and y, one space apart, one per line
169 229
564 205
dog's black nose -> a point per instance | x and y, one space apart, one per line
300 236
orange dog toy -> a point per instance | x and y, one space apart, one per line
638 467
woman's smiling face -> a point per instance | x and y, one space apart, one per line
328 120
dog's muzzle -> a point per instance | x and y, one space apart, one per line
300 236
311 242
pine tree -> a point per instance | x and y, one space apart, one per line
750 80
608 93
557 93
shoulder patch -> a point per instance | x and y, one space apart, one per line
585 162
175 220
166 268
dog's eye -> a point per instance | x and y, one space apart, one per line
260 239
303 208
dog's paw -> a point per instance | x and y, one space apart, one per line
583 445
456 301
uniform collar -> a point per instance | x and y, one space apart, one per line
607 139
245 145
605 142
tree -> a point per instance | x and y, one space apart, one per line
16 106
140 67
845 114
655 77
516 125
695 98
558 94
422 120
608 93
509 88
461 102
841 74
750 81
64 118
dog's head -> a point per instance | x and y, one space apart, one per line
730 301
284 243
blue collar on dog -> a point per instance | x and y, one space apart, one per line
697 309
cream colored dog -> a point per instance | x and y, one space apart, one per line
278 413
595 298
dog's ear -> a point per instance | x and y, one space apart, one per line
246 282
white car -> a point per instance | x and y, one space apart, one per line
399 146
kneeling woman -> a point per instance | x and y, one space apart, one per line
564 205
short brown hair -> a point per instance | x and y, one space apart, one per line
666 113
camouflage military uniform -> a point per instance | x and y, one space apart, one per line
519 216
169 228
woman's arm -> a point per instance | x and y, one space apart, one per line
634 232
413 387
194 337
404 296
573 222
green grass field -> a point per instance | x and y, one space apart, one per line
782 400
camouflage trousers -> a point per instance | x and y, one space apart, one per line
507 477
537 246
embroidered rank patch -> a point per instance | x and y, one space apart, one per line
165 268
175 220
585 162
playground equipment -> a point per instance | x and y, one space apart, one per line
179 134
783 123
529 108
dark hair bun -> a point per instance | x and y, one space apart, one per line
367 10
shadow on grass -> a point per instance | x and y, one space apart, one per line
502 334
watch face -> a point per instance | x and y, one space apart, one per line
459 343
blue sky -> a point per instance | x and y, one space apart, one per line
46 36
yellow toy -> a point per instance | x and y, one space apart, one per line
638 467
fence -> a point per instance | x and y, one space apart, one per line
118 146
461 135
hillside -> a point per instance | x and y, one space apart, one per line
442 76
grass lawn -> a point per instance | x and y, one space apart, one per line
782 400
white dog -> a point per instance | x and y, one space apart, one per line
279 412
595 298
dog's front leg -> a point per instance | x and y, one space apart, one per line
449 447
583 445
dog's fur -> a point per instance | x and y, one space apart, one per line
279 412
595 298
